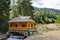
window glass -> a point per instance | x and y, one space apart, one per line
23 25
11 25
16 25
31 25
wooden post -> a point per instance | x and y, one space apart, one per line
9 26
18 26
30 24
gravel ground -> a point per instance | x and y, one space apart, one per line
2 36
51 35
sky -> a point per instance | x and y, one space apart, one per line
13 3
46 3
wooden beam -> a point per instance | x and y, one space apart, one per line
18 26
9 26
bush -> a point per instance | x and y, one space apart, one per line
43 29
58 20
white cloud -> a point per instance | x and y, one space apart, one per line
46 3
35 5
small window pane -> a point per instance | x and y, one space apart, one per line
31 25
16 25
23 25
11 25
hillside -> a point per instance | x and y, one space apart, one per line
47 9
47 15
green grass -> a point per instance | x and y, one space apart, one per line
38 24
44 29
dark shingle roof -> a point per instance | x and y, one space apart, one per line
22 19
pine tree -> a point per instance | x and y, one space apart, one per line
24 8
4 13
58 19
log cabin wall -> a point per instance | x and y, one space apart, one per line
32 25
21 25
13 26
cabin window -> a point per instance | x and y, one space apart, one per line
31 25
16 25
11 25
23 25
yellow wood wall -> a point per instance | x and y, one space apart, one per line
28 24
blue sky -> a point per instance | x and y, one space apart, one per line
46 3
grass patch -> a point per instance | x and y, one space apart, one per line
38 24
43 29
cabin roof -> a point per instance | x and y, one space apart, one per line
22 19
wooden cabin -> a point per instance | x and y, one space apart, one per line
21 23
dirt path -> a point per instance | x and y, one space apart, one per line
2 36
52 35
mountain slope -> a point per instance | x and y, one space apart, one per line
54 10
48 15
